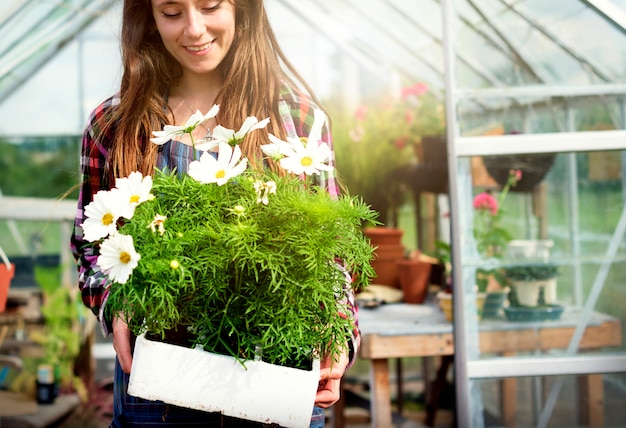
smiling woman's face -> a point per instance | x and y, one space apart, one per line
197 33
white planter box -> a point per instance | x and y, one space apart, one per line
201 380
528 291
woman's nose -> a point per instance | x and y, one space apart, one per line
195 25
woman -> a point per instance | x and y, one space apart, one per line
180 56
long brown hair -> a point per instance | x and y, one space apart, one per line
253 71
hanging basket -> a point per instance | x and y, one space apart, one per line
201 380
7 272
534 168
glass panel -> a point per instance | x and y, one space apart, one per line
555 245
537 42
580 401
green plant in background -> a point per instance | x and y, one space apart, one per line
63 314
491 237
532 271
380 137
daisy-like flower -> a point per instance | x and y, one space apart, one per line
102 214
263 190
229 136
277 149
158 224
118 257
228 164
134 190
308 157
171 131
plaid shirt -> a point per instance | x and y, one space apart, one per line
296 111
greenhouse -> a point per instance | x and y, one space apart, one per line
488 135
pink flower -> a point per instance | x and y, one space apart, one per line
360 112
418 89
484 201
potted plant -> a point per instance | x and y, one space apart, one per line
532 284
7 272
491 241
381 136
225 273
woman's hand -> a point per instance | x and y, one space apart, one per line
329 388
121 343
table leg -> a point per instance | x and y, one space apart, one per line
591 400
400 389
380 401
508 399
437 388
508 403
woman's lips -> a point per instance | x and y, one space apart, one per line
199 48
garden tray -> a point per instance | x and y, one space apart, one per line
539 313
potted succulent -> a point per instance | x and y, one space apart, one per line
226 273
533 284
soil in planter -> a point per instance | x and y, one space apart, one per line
176 336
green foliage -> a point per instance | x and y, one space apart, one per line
532 272
383 135
240 274
62 312
27 165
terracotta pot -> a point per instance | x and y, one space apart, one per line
389 250
6 275
414 277
380 236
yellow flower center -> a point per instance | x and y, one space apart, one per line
124 257
134 199
306 161
107 219
220 174
174 264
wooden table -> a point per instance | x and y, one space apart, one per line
402 330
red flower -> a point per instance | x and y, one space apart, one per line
408 117
401 142
484 201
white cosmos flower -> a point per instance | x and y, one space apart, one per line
134 190
171 131
228 164
102 214
118 257
225 135
305 158
263 190
158 224
277 149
